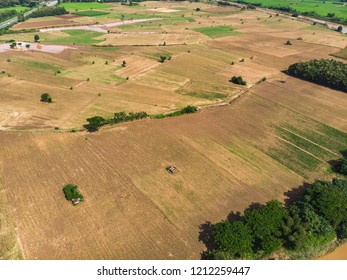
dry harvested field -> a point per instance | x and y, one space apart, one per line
278 134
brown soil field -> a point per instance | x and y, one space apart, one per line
41 24
228 155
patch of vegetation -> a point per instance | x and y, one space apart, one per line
94 123
45 97
78 37
48 11
341 54
163 58
321 134
295 159
91 13
304 144
325 72
186 110
238 80
312 221
208 95
39 65
217 31
75 6
71 192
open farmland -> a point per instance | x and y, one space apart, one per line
277 134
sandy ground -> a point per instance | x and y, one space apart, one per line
34 47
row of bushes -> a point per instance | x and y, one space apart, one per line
313 221
49 11
325 72
186 110
94 123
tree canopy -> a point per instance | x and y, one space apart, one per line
325 72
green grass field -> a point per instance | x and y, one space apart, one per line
16 8
84 6
91 13
321 7
78 37
217 31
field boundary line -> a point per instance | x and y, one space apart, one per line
301 149
308 140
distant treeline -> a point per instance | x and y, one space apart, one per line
325 72
295 13
12 3
7 14
49 11
302 230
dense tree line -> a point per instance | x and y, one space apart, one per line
48 11
325 72
7 14
94 123
315 220
12 3
186 110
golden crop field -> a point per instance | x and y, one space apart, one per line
278 134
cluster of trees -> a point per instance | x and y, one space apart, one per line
94 123
238 80
7 14
326 72
313 221
49 11
71 191
12 3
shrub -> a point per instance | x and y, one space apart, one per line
45 97
71 191
238 80
289 43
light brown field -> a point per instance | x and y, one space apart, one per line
227 156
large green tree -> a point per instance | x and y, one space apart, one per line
234 239
265 224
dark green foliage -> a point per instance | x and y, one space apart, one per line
325 72
162 58
265 224
289 43
294 231
96 122
36 38
48 11
234 239
7 14
71 191
329 200
238 80
339 29
342 230
304 229
45 97
342 165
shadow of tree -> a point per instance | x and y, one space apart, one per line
206 236
295 193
